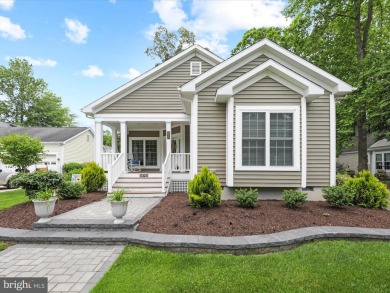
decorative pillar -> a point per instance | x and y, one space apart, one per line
113 139
168 135
124 141
98 142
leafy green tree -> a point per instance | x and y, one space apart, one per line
107 139
20 151
168 44
27 100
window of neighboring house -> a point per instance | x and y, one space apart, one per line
387 161
195 68
88 138
378 161
267 138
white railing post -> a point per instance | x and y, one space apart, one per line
109 179
166 172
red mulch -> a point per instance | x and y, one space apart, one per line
173 215
22 216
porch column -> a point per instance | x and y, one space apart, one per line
124 141
98 142
168 135
113 139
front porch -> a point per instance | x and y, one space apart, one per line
145 151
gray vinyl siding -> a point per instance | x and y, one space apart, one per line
212 123
80 149
318 142
159 95
266 92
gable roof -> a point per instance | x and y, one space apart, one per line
127 88
276 53
276 71
45 134
380 144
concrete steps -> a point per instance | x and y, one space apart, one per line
140 184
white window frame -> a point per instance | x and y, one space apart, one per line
191 69
295 110
382 160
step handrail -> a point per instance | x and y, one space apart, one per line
115 170
166 173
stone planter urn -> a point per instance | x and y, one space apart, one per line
118 210
44 208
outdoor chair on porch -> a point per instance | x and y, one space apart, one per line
133 165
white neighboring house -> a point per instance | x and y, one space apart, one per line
61 144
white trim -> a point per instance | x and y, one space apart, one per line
194 136
192 63
111 97
272 69
332 113
283 56
98 142
303 142
229 147
143 117
124 132
296 137
168 127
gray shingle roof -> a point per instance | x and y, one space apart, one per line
45 134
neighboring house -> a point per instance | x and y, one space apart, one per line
379 155
61 144
262 118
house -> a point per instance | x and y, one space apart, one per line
61 144
262 118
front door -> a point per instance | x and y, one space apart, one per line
145 151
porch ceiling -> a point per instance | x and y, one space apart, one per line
141 125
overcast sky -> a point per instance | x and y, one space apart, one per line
85 49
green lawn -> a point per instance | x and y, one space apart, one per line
3 245
11 198
328 266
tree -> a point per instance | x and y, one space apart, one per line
27 99
107 139
345 38
20 151
168 44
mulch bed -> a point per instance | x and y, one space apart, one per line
173 215
22 216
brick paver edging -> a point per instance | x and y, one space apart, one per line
237 245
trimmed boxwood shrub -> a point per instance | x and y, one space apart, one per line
338 196
38 180
72 166
293 198
93 177
69 190
204 191
247 198
368 191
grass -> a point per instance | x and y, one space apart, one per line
11 198
4 245
328 266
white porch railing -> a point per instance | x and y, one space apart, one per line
115 170
166 171
180 162
108 159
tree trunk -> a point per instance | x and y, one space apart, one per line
362 143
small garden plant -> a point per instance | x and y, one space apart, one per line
294 198
118 195
70 190
338 196
93 177
368 191
44 195
204 191
247 198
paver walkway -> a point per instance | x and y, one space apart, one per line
69 268
102 210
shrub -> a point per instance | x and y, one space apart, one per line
93 177
68 176
69 190
72 166
368 191
247 198
293 198
38 181
204 190
338 196
341 178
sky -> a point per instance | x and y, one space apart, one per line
84 49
